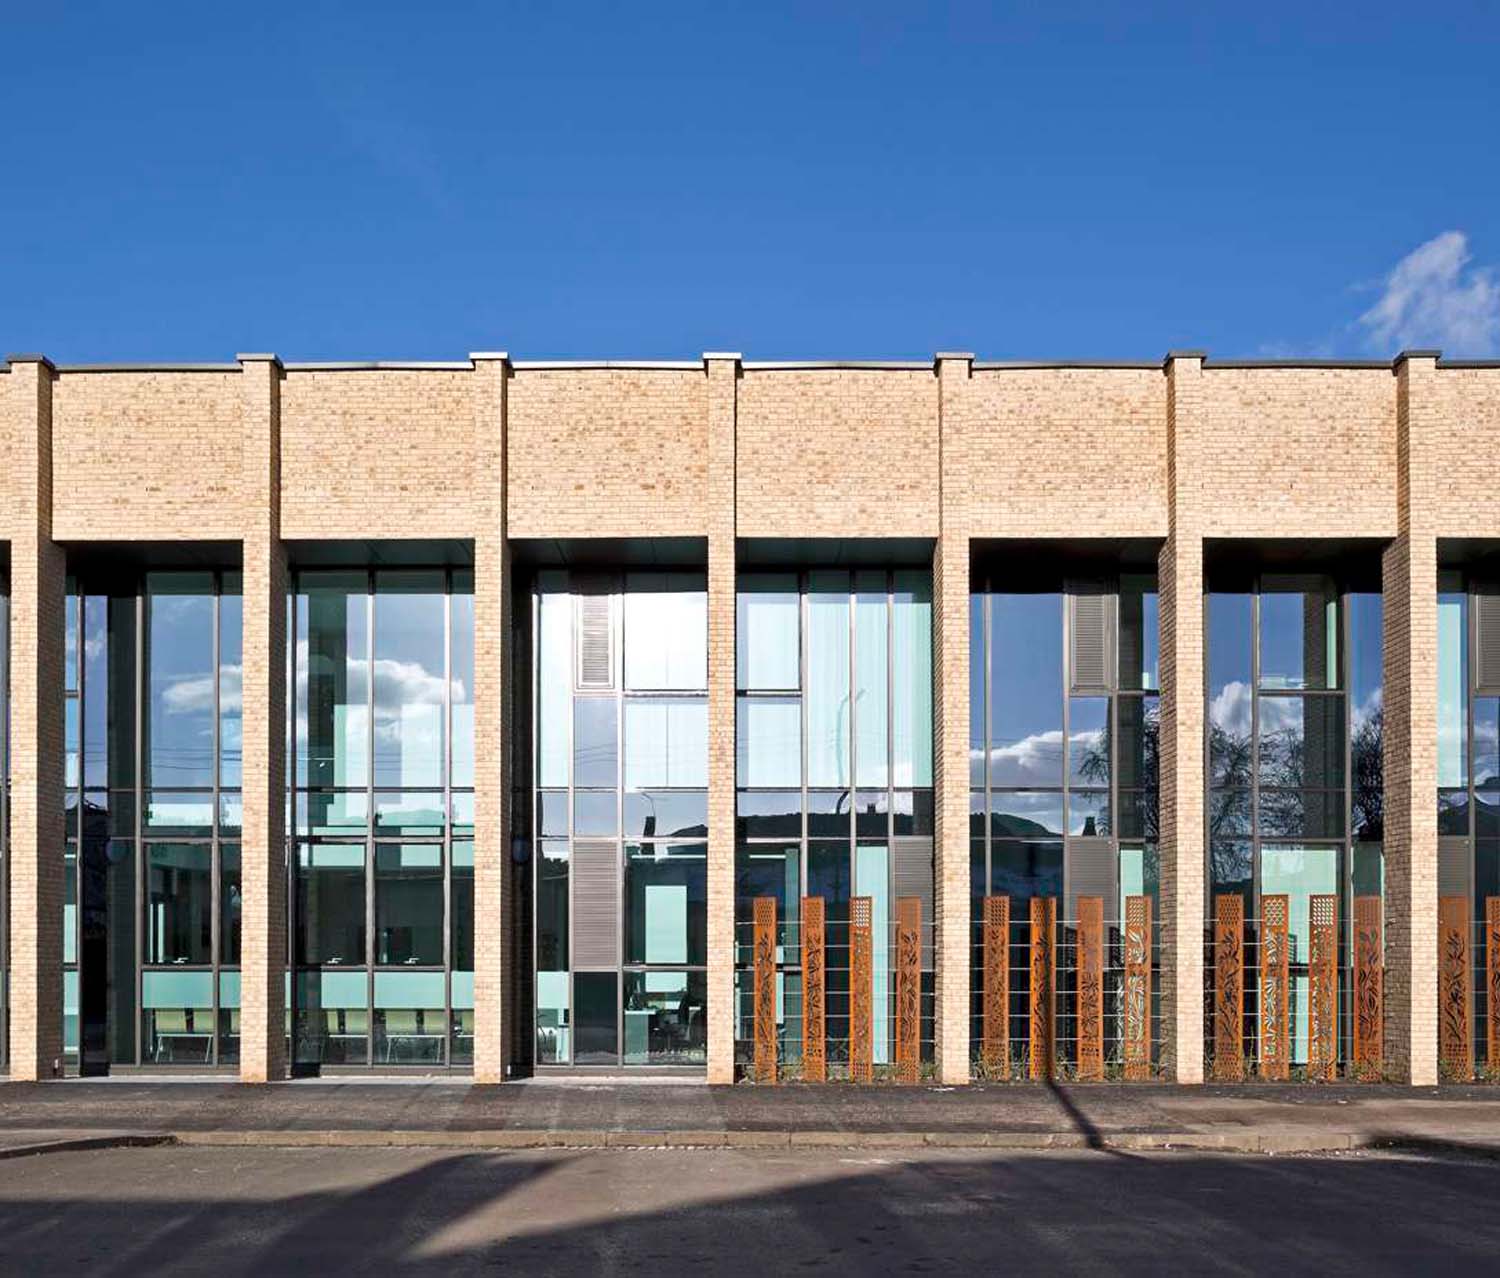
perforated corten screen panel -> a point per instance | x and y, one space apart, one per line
1090 991
1369 989
765 989
1043 978
1229 988
1323 988
1275 1042
996 1028
908 989
1136 1012
861 990
1492 983
1455 1054
814 989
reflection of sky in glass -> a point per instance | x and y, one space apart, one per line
180 680
1298 639
1026 690
1453 681
1486 741
1229 638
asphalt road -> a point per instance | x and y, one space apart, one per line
222 1212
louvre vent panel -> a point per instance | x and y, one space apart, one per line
1487 643
1453 867
596 904
595 637
1092 639
911 875
1091 872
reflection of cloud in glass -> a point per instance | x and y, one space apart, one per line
1230 709
1034 760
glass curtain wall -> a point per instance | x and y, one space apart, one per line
620 811
382 761
1294 752
151 927
833 728
1062 753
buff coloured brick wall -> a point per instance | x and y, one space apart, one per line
837 453
146 456
377 453
607 452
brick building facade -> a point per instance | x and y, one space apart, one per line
505 467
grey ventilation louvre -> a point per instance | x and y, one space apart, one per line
1487 641
1091 637
1090 871
1453 867
595 635
596 904
911 875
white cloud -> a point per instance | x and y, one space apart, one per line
1436 297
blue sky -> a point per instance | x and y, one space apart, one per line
819 180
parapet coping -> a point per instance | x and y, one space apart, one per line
749 366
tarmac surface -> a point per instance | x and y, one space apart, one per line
172 1210
1253 1118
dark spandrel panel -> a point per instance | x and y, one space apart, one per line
914 813
1139 814
552 814
596 996
871 814
1140 728
673 1005
1024 814
552 907
595 814
1138 631
1302 813
665 814
179 903
1025 869
1453 811
978 807
1228 813
1302 742
1231 866
1486 869
408 904
769 814
827 813
828 875
666 904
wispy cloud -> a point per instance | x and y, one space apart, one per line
1435 296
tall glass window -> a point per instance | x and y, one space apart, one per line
1063 733
151 918
383 765
833 727
1295 774
620 813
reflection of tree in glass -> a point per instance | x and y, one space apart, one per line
1366 759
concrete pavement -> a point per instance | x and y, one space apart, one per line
456 1114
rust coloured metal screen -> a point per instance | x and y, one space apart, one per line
1455 1054
1043 981
1275 1043
996 1027
814 989
1090 988
1492 983
1323 988
1369 989
908 989
765 989
1229 988
861 990
1136 1013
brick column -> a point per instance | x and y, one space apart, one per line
723 378
37 571
1183 776
263 842
494 929
1409 583
950 731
